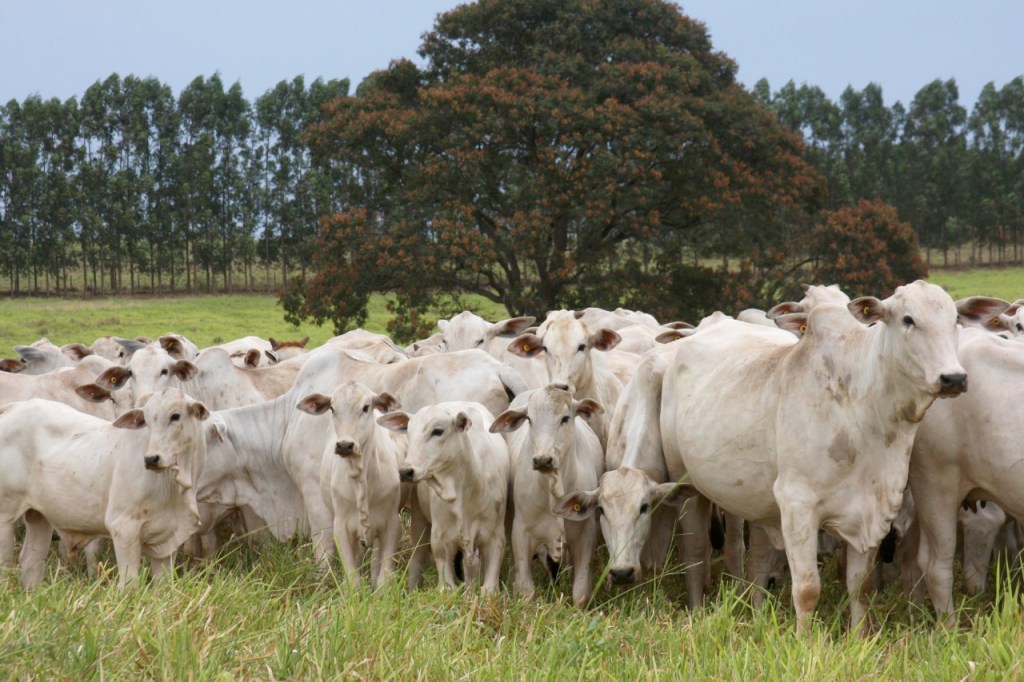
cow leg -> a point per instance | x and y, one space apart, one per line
936 548
859 567
522 555
910 573
978 545
695 547
160 567
582 551
420 531
734 547
759 564
92 552
128 552
320 525
800 533
7 543
347 549
38 534
492 554
387 549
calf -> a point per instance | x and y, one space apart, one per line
359 477
553 452
86 477
464 472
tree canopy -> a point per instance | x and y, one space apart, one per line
548 152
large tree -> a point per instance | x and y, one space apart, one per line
550 152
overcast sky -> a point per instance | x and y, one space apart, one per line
60 47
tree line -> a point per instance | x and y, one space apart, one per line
130 188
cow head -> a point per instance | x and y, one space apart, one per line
552 415
468 330
566 343
438 441
625 503
920 338
354 409
150 369
176 443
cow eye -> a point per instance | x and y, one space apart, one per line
163 372
565 419
600 510
644 507
908 320
544 348
437 432
175 417
366 408
480 342
582 347
1020 328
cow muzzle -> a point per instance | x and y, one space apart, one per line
407 475
952 384
345 448
153 463
545 464
626 575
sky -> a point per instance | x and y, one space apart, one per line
57 48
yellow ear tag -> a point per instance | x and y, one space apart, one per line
526 348
803 329
113 380
995 322
576 507
867 310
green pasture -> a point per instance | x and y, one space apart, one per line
271 614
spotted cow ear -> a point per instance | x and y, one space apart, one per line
793 322
508 421
867 309
198 410
462 421
252 358
604 339
587 408
93 393
314 403
385 402
525 345
114 378
784 308
184 370
577 505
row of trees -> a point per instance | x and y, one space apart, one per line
133 188
956 176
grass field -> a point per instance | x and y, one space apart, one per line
270 614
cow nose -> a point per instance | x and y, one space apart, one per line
345 448
543 463
953 384
623 576
152 462
561 386
406 474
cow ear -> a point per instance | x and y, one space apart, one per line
132 419
677 325
442 325
303 341
173 346
75 351
525 345
587 408
867 309
272 357
673 335
252 358
578 314
513 326
508 421
129 345
184 370
274 343
672 494
11 366
113 378
93 393
793 322
577 505
314 403
198 410
604 339
980 308
462 421
216 431
396 421
784 308
385 402
30 354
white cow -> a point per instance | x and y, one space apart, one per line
68 385
465 468
359 477
468 330
796 435
968 449
43 356
87 477
553 450
568 345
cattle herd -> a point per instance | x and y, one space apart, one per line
812 427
